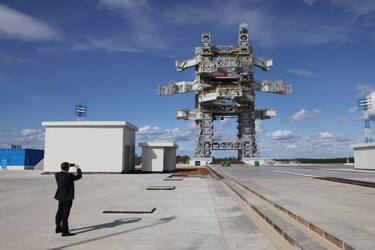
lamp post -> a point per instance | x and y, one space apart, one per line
81 111
366 104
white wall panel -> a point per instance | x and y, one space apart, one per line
95 146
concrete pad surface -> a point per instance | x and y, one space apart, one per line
197 215
325 171
346 211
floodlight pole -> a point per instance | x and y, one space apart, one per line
80 111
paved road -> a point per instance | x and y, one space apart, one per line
346 211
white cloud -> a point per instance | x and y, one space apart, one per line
265 27
322 145
309 2
276 144
16 25
149 27
154 133
342 119
358 118
343 138
325 135
128 5
143 32
329 138
183 136
359 13
29 134
292 146
149 130
221 127
355 7
179 134
27 138
223 123
191 125
365 89
282 135
303 114
302 72
130 42
258 127
31 138
111 44
352 109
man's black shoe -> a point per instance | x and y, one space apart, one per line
58 230
68 234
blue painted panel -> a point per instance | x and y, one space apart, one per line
13 157
4 164
33 156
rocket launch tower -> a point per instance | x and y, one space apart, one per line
225 88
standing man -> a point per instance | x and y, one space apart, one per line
65 196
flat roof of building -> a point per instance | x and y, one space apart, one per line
89 124
158 144
363 145
20 149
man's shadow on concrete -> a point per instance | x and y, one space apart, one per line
114 223
159 222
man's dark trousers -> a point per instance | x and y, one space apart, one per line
62 215
65 195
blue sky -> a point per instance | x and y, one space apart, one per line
111 54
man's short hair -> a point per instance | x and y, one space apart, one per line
65 166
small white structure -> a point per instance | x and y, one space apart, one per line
97 146
364 156
200 161
158 156
256 162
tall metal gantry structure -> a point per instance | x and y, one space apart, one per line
225 88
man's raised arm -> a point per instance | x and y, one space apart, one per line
78 175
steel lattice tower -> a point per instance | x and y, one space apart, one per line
225 87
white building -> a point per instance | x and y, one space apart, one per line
97 146
158 156
364 156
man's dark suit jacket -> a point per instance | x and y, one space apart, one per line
65 185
